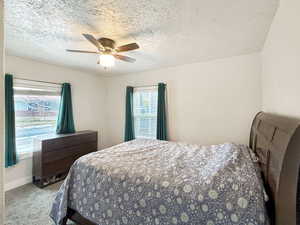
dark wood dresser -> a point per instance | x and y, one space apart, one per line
54 155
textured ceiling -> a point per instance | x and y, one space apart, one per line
170 32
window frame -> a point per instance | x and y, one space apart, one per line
33 88
141 89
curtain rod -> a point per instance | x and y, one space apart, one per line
18 78
154 85
145 86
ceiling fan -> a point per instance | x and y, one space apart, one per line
107 50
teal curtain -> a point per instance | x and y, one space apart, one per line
161 132
10 134
129 122
65 122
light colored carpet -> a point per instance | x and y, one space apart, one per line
30 205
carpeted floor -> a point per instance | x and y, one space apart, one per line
29 205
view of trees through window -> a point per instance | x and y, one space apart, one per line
145 113
35 116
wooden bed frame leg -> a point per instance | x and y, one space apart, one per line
65 221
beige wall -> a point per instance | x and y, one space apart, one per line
1 112
208 103
88 100
281 62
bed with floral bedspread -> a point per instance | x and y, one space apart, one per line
158 182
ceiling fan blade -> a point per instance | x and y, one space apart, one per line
81 51
93 40
129 47
124 58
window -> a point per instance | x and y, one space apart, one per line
36 112
145 112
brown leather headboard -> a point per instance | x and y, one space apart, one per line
276 141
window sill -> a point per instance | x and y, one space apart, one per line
142 137
24 155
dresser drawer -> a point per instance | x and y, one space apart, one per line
57 167
68 151
60 143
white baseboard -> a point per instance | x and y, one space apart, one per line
17 183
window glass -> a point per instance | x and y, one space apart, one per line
36 114
145 112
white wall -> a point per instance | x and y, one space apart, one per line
88 102
208 103
281 62
1 112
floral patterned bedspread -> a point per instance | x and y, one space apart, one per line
158 182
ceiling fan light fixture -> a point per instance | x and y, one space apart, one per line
107 51
107 60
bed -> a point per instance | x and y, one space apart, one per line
159 182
